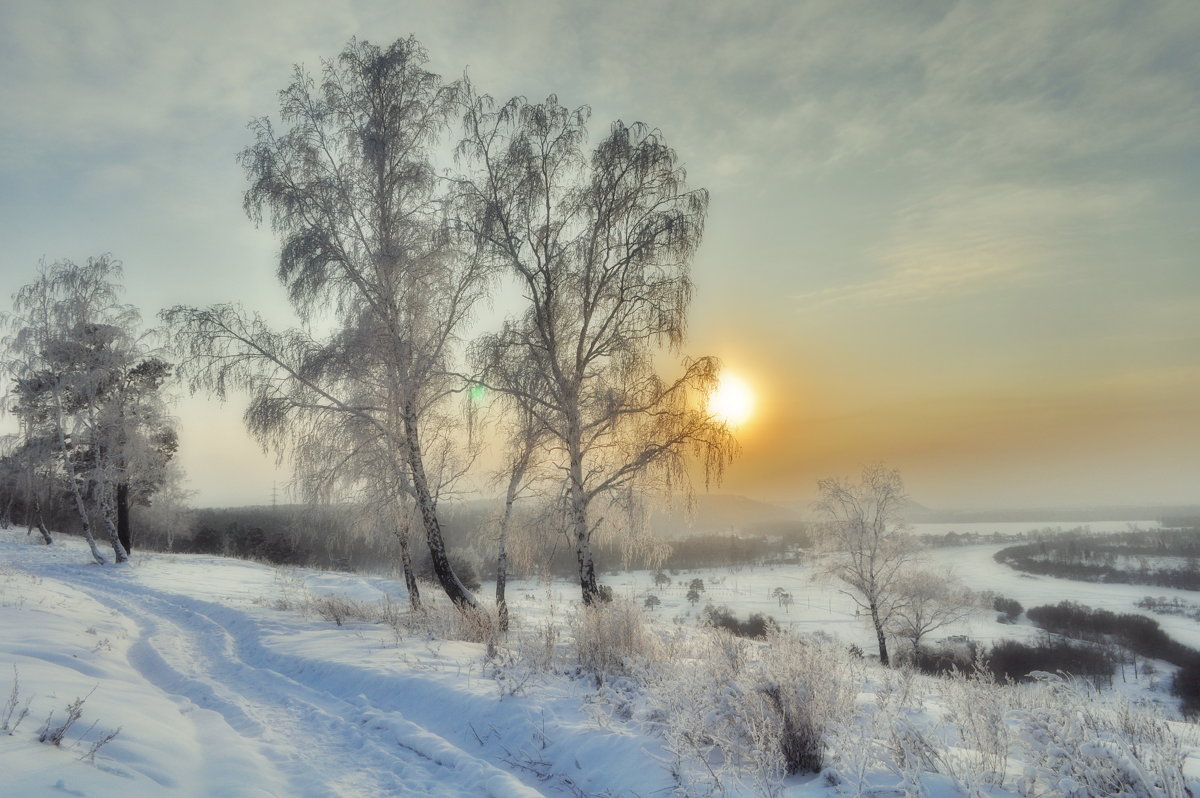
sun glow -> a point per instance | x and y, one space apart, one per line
732 401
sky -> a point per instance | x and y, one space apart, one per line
958 238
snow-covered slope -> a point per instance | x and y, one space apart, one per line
217 694
219 689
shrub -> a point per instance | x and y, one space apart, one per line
1011 660
1076 743
53 733
10 716
339 608
1136 632
1009 609
439 619
980 709
757 626
610 638
1186 687
464 569
939 660
731 718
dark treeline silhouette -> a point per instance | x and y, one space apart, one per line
1012 660
1137 633
325 536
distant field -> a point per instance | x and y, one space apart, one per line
820 606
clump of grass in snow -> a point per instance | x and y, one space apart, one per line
611 637
11 717
53 733
738 714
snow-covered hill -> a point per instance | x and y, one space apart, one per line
224 679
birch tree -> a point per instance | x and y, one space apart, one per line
29 474
526 443
349 186
81 379
600 244
925 602
871 546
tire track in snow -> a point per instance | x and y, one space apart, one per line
212 656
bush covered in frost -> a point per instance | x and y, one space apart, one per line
738 714
611 637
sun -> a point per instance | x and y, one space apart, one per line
732 402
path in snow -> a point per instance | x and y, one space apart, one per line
210 656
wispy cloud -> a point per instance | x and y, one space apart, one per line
970 238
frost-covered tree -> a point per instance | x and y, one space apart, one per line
524 453
599 243
28 473
85 387
865 530
924 602
169 511
348 183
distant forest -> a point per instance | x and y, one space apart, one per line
334 536
1160 557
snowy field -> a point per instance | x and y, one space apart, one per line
216 691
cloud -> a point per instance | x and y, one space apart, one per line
89 78
967 238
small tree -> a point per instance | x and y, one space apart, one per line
526 442
869 540
693 595
924 602
661 580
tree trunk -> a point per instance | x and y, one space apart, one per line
81 510
579 518
41 525
588 583
502 556
402 527
879 634
124 530
106 512
455 589
583 548
74 480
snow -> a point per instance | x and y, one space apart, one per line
217 692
